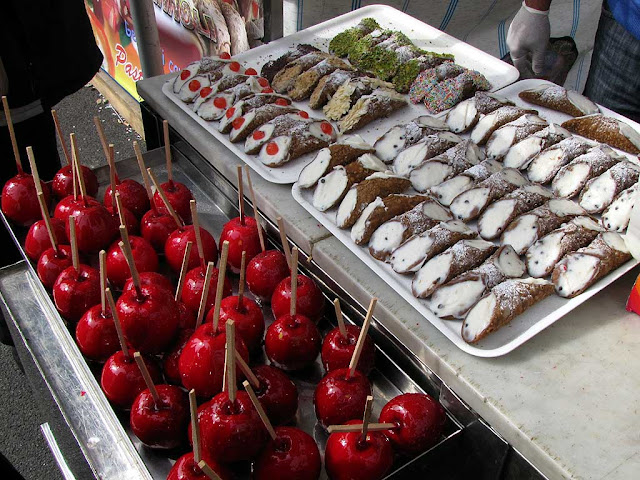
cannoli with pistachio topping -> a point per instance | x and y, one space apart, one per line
466 114
304 85
274 128
450 189
349 93
527 229
342 42
578 270
301 139
545 165
214 105
402 136
329 85
381 52
599 192
455 298
617 215
508 135
246 105
391 234
286 78
611 131
247 123
560 99
463 256
272 67
490 122
543 255
379 104
521 153
505 302
429 147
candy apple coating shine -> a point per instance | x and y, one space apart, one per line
20 199
51 264
310 301
122 381
293 451
95 227
144 258
155 227
176 244
185 468
292 342
75 291
339 397
37 239
179 197
337 350
171 358
278 395
150 278
62 184
248 319
133 195
242 236
264 272
130 220
194 286
68 204
96 334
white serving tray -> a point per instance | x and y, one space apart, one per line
425 36
524 326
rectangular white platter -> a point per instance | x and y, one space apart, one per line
424 36
524 326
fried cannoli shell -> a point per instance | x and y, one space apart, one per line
545 165
365 192
495 219
521 154
492 121
527 229
411 255
214 106
243 126
450 189
470 204
463 256
280 125
560 99
466 114
272 67
397 138
305 84
599 192
222 41
207 65
505 302
349 93
508 135
286 78
578 270
429 147
617 215
390 235
305 139
236 27
328 85
190 91
611 131
247 104
454 299
543 255
379 104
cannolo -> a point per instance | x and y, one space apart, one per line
427 148
616 216
428 79
207 65
349 93
214 105
454 299
408 70
285 78
391 234
380 103
463 256
508 135
230 81
470 204
191 90
527 229
611 131
342 42
237 31
545 165
342 153
560 99
546 252
402 136
466 114
305 83
599 192
334 186
571 178
450 189
301 139
442 167
328 86
495 219
381 53
247 104
492 121
419 248
272 67
243 125
274 128
521 153
379 211
447 93
505 302
359 196
578 270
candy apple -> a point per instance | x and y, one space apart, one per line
292 342
69 203
95 227
96 334
176 244
133 196
310 301
62 184
75 291
242 236
337 350
186 468
339 397
277 394
179 197
187 317
293 455
20 199
264 272
155 227
150 278
51 264
172 357
122 381
37 239
194 286
247 316
130 220
144 257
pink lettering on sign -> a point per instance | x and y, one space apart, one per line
130 69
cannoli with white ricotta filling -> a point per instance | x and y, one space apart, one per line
274 128
450 189
396 139
617 215
272 67
244 125
427 148
214 105
599 192
508 135
191 90
492 121
466 114
207 65
560 99
303 138
247 104
520 154
611 131
379 104
545 165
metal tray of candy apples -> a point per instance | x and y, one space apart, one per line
104 433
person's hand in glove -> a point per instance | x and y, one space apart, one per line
528 37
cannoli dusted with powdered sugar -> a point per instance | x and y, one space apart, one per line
495 219
571 178
214 105
411 255
508 135
545 165
427 148
214 66
520 154
247 104
607 130
244 125
332 187
543 255
578 270
302 138
599 192
505 302
272 67
617 215
305 84
463 256
190 91
329 85
360 195
559 98
442 167
466 114
349 93
491 122
379 104
450 189
276 127
284 80
527 229
390 235
470 204
396 139
455 298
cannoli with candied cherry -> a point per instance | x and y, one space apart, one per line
190 91
560 99
521 153
329 85
446 191
247 104
617 215
379 104
213 66
508 135
397 138
492 121
272 67
247 123
611 131
545 165
600 191
304 85
466 114
427 148
274 128
303 138
212 106
286 78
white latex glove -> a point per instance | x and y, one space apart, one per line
529 33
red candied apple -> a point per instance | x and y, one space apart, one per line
231 431
95 227
133 196
194 286
37 240
185 468
68 204
96 334
51 264
349 457
187 317
242 236
155 227
419 421
149 319
122 381
150 278
265 271
310 301
339 397
292 342
20 199
62 184
248 319
177 243
179 197
172 357
277 394
75 291
130 220
161 424
337 350
144 257
292 451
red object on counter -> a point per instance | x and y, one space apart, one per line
294 452
248 319
185 468
155 227
310 301
338 350
75 291
95 227
130 220
133 196
265 271
292 342
194 286
62 184
122 381
96 334
150 278
278 395
179 197
242 236
144 258
339 398
51 264
20 199
171 358
177 243
37 239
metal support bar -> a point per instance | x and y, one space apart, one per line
273 20
147 38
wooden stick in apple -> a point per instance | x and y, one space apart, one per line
195 426
294 281
165 200
120 209
339 318
243 267
366 418
111 155
147 378
255 208
284 240
79 176
47 222
125 246
208 471
246 370
34 170
12 134
183 270
240 194
144 174
116 321
222 272
363 335
196 228
205 294
75 261
260 410
102 256
230 361
167 150
373 427
102 137
65 149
